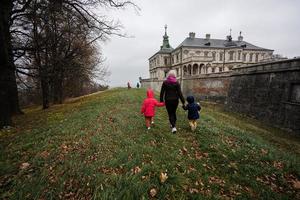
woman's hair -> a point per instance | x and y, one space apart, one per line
172 73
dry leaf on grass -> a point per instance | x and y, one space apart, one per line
193 190
24 165
278 165
153 192
136 170
44 154
264 151
296 184
163 177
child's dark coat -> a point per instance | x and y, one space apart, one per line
192 108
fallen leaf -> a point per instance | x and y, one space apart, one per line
264 151
278 165
136 170
163 177
24 165
183 150
153 192
44 154
193 190
296 184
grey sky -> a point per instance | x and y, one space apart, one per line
272 24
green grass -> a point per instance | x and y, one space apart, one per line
96 147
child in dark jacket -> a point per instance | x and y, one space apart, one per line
148 107
193 112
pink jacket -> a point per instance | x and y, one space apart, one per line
148 107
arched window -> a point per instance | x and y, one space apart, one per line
195 69
184 70
189 70
202 69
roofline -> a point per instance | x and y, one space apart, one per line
160 53
233 47
180 45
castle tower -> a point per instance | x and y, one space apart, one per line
166 44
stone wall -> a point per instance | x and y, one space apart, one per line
269 92
211 87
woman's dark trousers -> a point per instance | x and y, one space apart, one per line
171 106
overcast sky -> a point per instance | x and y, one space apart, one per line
272 24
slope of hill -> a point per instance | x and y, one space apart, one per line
96 147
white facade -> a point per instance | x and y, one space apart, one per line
191 59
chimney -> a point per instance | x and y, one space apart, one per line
192 35
240 38
207 36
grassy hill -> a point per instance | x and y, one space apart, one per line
96 147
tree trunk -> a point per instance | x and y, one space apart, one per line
9 102
45 93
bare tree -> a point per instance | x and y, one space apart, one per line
35 29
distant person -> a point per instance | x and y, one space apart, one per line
193 111
128 85
138 85
170 93
148 108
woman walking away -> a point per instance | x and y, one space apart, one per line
170 93
148 108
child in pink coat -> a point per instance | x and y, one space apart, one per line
148 107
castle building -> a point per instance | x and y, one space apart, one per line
196 56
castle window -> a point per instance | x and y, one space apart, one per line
221 56
256 57
231 55
205 53
239 55
251 56
177 57
220 69
244 57
214 56
166 61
